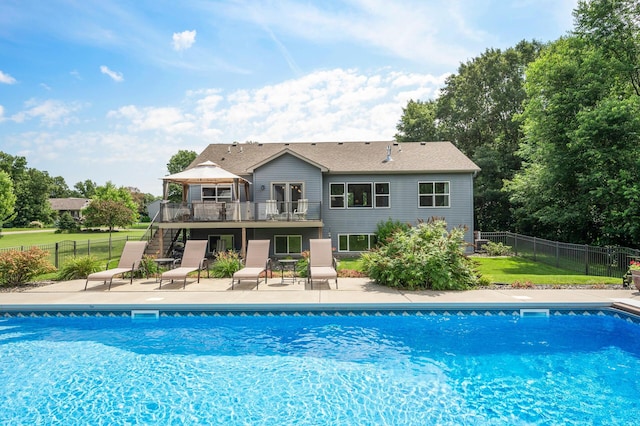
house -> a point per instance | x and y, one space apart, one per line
292 192
73 206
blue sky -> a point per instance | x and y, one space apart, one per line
110 90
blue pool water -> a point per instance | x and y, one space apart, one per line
320 369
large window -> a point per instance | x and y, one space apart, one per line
287 244
356 242
359 195
219 193
220 243
433 194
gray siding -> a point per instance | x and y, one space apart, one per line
403 204
287 168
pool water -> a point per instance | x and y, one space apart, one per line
320 369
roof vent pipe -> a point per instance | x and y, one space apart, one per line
388 159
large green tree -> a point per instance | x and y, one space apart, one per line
418 122
582 158
7 197
177 163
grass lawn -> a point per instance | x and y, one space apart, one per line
48 236
508 270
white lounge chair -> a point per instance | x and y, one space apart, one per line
129 262
322 264
256 262
193 259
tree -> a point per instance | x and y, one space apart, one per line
86 189
418 122
109 213
581 151
614 27
7 197
59 188
176 164
32 198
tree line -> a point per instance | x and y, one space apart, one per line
554 127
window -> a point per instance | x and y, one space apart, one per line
433 194
287 244
337 195
220 193
359 195
219 243
382 194
356 242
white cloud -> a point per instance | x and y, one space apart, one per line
6 78
184 40
115 76
51 112
2 118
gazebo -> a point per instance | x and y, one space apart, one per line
207 172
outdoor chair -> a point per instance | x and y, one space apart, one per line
256 262
129 262
193 259
322 264
272 209
301 211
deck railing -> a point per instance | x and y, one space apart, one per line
239 211
589 260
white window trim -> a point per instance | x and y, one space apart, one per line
375 195
369 242
434 182
288 236
216 198
344 196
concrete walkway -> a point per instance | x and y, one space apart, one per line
355 293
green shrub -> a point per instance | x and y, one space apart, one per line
497 249
78 267
303 265
226 264
67 223
148 267
19 267
423 257
385 230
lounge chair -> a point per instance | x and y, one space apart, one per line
129 262
322 264
256 261
193 259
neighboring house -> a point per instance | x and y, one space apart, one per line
72 205
340 190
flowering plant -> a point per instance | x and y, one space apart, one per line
634 265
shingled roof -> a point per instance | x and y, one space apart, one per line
68 204
344 157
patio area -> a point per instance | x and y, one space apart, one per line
353 293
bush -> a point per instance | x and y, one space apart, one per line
78 267
385 230
226 264
423 257
67 223
19 267
497 249
148 267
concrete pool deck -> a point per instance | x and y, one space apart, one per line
216 294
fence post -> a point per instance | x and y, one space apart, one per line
534 248
75 249
57 254
88 247
516 243
586 259
557 254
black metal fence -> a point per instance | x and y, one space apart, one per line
61 252
584 259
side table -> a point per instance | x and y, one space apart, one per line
288 265
170 261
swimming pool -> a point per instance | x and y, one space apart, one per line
399 368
